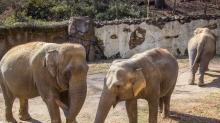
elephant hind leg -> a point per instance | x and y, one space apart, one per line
164 106
203 67
192 74
9 100
166 103
167 106
23 112
193 67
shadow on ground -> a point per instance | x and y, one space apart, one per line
34 121
215 83
189 118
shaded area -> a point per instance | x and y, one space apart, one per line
188 118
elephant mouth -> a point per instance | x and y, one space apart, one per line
125 95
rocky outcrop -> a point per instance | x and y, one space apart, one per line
81 30
137 37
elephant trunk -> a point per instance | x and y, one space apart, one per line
77 94
107 100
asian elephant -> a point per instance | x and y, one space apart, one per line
201 49
150 75
56 72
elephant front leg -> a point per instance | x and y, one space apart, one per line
131 107
23 112
9 100
53 110
153 110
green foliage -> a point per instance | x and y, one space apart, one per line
59 10
9 20
83 9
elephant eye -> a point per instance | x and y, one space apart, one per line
132 80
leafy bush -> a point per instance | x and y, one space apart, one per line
58 10
9 20
61 12
83 9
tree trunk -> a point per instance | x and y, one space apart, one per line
205 8
174 7
148 7
160 4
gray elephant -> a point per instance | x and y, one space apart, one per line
56 72
201 49
150 75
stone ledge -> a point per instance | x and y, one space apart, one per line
157 21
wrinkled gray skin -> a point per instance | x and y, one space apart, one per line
201 49
56 72
150 75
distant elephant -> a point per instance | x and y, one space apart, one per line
201 49
56 72
150 75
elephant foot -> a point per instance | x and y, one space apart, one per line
165 115
191 81
11 120
71 121
25 117
200 84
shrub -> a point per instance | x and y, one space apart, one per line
58 10
61 12
9 20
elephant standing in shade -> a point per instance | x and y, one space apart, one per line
56 72
201 49
150 75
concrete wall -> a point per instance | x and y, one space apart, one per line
173 35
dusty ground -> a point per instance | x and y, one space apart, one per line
190 104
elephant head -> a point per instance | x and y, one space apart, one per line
204 30
123 81
67 65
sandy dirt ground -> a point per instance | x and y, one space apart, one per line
189 104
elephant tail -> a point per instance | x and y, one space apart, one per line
200 48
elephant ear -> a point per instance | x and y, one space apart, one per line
51 61
140 82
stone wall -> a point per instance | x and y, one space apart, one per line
115 38
125 38
23 33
